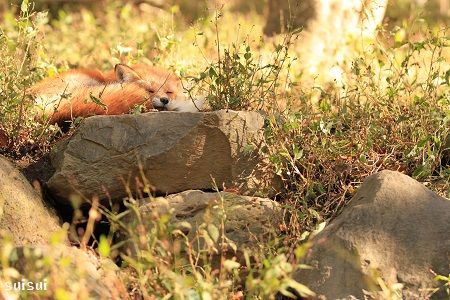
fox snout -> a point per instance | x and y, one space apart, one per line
161 102
180 103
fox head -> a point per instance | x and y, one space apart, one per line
164 88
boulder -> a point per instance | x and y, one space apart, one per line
23 214
395 230
174 151
79 274
249 222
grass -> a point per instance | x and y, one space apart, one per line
386 107
18 44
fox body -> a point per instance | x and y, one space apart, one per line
86 92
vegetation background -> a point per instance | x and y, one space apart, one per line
388 107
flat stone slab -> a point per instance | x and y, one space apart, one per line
174 151
248 222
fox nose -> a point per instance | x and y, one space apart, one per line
164 100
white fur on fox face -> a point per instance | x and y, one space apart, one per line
164 103
180 104
188 105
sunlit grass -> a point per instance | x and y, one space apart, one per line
378 103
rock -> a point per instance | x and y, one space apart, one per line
249 221
78 273
23 214
175 151
394 228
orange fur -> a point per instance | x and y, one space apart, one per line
63 82
117 98
119 90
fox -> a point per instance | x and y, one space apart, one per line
88 92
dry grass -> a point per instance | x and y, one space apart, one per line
384 105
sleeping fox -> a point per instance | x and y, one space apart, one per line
87 92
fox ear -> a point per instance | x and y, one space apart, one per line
125 74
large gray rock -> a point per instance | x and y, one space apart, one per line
175 151
248 222
394 228
23 214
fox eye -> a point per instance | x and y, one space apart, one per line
150 90
169 92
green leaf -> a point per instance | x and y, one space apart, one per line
301 250
421 172
24 6
298 153
447 77
212 72
192 294
297 30
423 141
213 232
230 265
97 101
362 158
103 246
61 294
442 278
